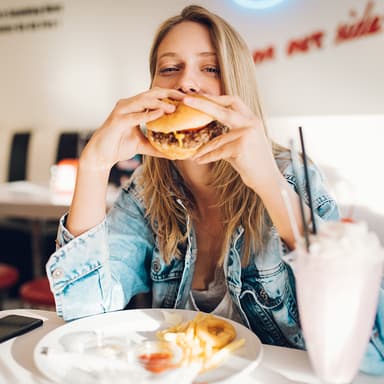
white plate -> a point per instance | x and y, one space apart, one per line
141 324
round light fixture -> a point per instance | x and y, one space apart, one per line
258 4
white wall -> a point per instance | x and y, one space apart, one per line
349 151
70 76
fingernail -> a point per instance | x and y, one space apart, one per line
188 100
171 108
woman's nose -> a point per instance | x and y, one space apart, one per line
188 90
188 83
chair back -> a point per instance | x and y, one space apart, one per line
17 164
67 146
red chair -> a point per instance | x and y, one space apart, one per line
9 276
37 293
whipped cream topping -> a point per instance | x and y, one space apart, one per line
350 241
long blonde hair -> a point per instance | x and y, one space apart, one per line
165 193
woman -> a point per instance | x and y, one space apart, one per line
205 233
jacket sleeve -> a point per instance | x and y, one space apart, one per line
100 270
268 285
324 205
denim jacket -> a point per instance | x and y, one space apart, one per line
102 269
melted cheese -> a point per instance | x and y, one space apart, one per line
179 138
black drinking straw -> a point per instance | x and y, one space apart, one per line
308 186
295 165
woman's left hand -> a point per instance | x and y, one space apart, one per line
245 146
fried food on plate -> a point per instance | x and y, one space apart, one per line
206 340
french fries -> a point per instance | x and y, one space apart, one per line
196 350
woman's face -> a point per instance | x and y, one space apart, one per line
186 60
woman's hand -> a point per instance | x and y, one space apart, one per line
120 137
248 150
245 146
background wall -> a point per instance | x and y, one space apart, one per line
69 69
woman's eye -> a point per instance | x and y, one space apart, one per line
212 69
168 70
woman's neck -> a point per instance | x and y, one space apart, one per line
198 178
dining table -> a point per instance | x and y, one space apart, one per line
278 365
38 209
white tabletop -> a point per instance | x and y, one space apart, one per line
24 199
278 366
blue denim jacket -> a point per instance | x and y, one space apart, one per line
102 269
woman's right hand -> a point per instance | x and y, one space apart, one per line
120 137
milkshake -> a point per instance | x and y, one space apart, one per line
338 282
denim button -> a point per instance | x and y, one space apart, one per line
57 273
263 294
156 265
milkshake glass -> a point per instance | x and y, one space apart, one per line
338 282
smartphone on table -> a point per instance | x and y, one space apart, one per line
15 325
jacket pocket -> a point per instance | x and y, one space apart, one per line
268 299
166 280
268 286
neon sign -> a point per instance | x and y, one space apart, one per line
258 4
367 23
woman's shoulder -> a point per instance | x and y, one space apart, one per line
323 201
283 160
133 187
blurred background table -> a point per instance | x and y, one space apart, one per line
38 209
26 200
32 208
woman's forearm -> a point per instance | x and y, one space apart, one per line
119 138
88 206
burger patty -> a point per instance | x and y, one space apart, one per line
192 138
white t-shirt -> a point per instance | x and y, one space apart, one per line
215 300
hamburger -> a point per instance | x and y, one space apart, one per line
180 134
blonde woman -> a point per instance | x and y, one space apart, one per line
206 233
